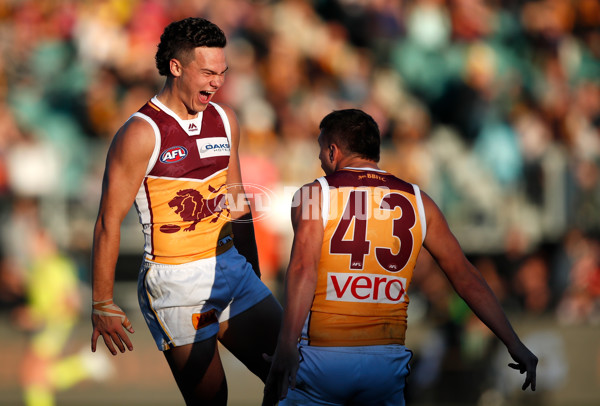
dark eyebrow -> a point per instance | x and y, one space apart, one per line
212 72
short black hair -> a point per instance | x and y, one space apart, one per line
354 131
180 38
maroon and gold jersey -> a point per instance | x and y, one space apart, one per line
182 202
374 226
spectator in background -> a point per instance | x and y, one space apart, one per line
51 312
580 302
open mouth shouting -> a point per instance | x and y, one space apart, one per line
205 96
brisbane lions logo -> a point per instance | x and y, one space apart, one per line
190 205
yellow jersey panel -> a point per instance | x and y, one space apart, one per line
182 202
189 215
373 232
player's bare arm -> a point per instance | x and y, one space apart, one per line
473 289
300 284
243 228
126 164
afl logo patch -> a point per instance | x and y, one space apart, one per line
173 154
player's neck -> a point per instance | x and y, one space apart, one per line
356 162
169 97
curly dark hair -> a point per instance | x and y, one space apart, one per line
354 131
180 38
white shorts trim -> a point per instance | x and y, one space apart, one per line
183 304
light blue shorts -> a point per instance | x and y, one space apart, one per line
370 376
183 304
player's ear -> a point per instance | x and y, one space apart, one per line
175 67
335 153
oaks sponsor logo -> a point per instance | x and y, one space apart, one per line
213 146
365 288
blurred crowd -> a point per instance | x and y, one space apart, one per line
492 107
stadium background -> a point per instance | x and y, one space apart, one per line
493 107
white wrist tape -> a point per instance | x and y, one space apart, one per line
108 308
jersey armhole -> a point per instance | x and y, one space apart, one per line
154 156
421 209
325 199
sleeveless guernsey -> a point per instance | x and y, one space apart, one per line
182 202
374 227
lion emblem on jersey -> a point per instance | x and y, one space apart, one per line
190 205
